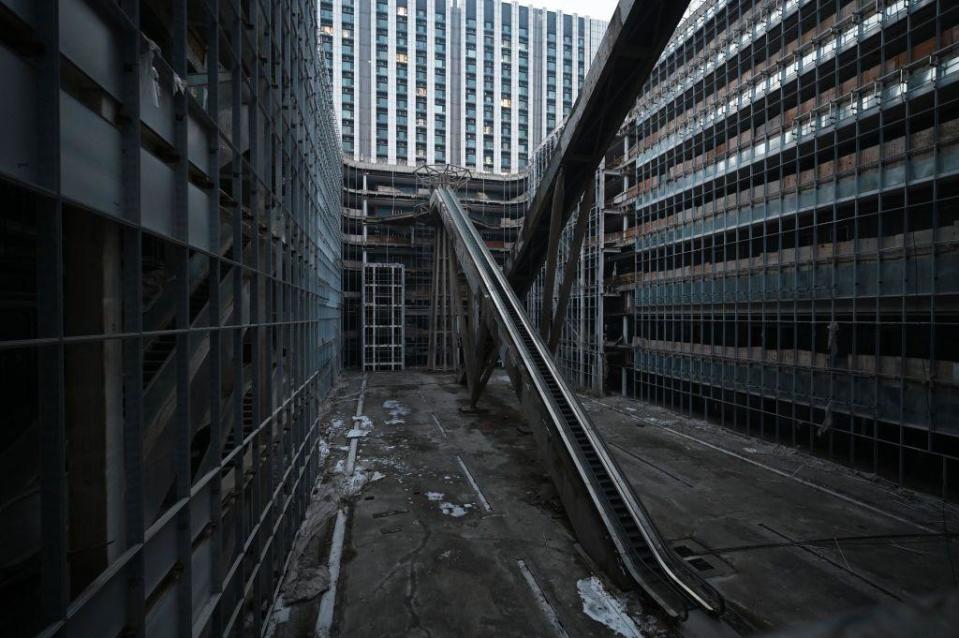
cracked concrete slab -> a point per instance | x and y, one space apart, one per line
424 556
786 537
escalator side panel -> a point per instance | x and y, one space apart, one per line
608 518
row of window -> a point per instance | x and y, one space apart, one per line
508 100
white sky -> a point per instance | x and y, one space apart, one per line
600 9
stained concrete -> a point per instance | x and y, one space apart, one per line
787 538
421 564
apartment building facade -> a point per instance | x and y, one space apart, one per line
476 83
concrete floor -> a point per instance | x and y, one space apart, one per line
425 557
785 537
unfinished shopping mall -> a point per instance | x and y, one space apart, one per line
475 318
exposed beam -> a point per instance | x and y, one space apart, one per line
555 230
463 321
637 33
614 81
489 364
569 268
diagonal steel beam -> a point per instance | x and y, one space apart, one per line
463 324
569 268
555 230
637 33
489 364
635 37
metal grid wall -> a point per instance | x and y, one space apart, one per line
790 268
383 317
170 317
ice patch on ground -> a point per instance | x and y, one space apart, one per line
397 411
435 496
654 421
362 422
336 426
396 464
347 486
454 510
451 509
605 608
361 427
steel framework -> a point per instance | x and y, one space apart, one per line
383 317
386 220
606 513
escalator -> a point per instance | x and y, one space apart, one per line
608 517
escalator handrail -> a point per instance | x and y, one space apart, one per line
701 593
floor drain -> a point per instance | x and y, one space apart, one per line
683 551
702 558
701 564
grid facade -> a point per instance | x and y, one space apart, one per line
476 83
170 258
787 261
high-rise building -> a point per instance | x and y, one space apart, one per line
467 82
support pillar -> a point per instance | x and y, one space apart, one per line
555 229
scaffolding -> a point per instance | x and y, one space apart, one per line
383 316
385 220
444 353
